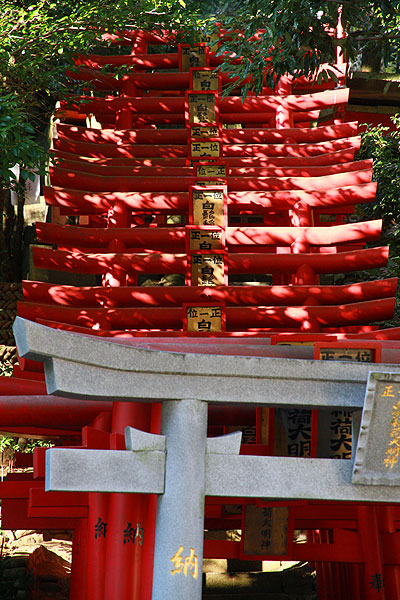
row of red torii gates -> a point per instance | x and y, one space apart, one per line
181 185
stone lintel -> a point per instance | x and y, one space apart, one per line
79 366
289 478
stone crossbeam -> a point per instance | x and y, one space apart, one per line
139 469
79 366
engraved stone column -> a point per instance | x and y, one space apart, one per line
180 511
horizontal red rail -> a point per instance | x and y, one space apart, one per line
35 291
79 180
178 202
229 136
237 318
342 262
181 151
167 237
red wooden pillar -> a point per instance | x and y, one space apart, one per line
97 525
127 516
284 116
372 551
321 570
79 567
391 574
140 45
118 216
124 117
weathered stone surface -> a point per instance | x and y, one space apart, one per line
121 470
180 510
288 477
377 457
78 365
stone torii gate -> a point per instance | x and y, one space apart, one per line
181 465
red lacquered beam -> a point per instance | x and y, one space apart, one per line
144 61
40 410
179 81
15 516
329 158
315 236
165 237
64 295
178 202
229 104
135 237
131 36
342 262
301 135
79 180
108 117
131 335
20 387
40 498
147 81
18 489
237 318
109 170
181 151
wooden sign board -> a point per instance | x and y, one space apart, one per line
207 206
192 56
204 319
296 339
265 531
201 107
335 427
212 40
205 80
205 239
211 170
377 460
204 131
293 432
207 269
205 149
354 351
335 434
208 182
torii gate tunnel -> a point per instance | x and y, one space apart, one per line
206 233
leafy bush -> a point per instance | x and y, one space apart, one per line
383 145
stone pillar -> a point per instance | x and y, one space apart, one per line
180 512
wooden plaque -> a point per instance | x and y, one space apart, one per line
208 207
266 530
200 239
207 269
208 182
192 56
202 108
347 354
205 149
204 80
205 131
335 434
204 319
212 40
211 170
